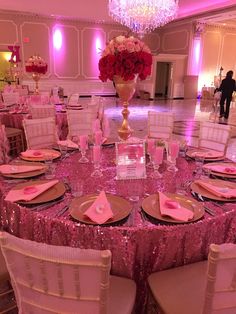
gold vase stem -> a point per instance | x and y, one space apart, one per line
125 90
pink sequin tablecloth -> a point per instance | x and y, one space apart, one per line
139 247
14 120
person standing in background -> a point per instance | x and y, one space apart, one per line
227 88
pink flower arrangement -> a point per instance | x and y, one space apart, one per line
36 64
125 57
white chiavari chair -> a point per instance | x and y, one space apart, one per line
42 111
160 124
73 100
80 122
10 99
6 291
207 287
40 133
214 136
60 279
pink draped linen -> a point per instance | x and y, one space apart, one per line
139 247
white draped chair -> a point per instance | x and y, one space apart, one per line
42 111
60 279
160 124
80 122
40 133
207 287
214 136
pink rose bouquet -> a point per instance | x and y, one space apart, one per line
126 57
36 64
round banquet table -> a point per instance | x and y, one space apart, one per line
139 246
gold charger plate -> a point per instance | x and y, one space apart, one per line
110 141
121 208
51 194
28 174
190 153
150 206
55 154
222 174
218 183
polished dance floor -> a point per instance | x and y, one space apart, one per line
188 115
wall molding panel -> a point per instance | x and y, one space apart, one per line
11 34
34 46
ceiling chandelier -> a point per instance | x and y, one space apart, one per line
143 16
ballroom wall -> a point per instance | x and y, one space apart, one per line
74 65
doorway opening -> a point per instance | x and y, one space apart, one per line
163 73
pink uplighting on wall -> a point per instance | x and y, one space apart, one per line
96 51
57 39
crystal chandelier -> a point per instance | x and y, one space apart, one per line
143 16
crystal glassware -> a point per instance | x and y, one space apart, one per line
96 160
173 154
157 158
83 140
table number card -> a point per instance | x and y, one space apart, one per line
130 161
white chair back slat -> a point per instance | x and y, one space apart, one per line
80 276
214 136
40 133
80 122
160 124
10 99
45 111
220 294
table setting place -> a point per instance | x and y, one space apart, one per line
104 208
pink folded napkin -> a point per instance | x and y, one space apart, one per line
68 143
208 154
100 211
171 208
222 169
32 153
11 169
28 193
225 192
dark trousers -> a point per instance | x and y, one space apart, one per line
225 111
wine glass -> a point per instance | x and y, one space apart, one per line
157 157
173 154
83 140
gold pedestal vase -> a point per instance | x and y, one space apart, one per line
36 77
125 90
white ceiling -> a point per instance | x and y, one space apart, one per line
96 10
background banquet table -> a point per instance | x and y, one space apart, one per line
14 120
139 246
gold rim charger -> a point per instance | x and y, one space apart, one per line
28 174
222 174
121 208
150 206
218 183
49 152
51 194
110 141
190 153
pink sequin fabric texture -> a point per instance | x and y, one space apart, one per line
139 247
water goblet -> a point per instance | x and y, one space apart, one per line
50 172
83 140
63 151
157 158
96 160
173 154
